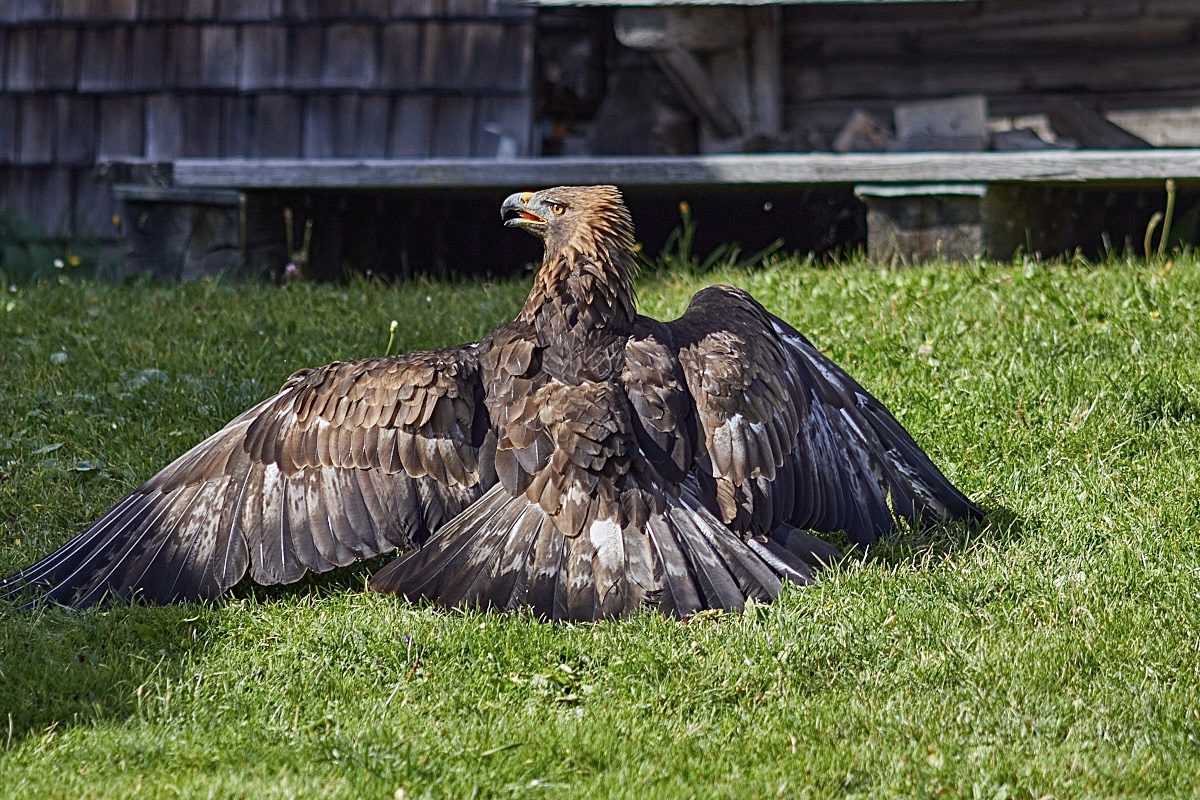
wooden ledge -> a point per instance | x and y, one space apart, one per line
1146 167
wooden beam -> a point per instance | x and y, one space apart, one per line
1144 167
766 69
1088 126
551 3
689 78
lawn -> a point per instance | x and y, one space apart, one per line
1054 651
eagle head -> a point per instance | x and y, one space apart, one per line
571 216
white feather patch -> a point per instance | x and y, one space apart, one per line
608 544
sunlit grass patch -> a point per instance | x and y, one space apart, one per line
1051 651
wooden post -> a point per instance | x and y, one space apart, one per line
185 234
923 222
766 69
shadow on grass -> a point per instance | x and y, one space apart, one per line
341 580
914 546
61 668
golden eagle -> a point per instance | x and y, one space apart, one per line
583 461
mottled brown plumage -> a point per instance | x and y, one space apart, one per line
581 460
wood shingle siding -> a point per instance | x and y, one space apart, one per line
164 79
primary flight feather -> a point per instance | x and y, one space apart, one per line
581 460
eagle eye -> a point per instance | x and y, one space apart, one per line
557 209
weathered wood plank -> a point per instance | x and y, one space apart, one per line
147 58
249 10
201 134
218 57
418 8
1167 126
487 59
29 11
1147 167
372 9
93 10
453 126
400 59
304 10
276 130
23 56
351 57
552 3
438 61
264 58
121 126
35 129
93 206
341 118
1041 71
183 43
410 132
42 194
371 140
318 139
766 68
103 62
75 135
8 129
306 46
504 127
59 51
164 10
164 127
236 124
1088 126
200 9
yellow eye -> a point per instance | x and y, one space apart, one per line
557 208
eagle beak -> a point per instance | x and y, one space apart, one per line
516 214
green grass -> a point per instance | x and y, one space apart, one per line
1053 652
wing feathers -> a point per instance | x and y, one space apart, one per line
505 552
305 480
580 460
790 438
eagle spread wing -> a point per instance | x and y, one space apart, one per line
346 462
788 438
582 460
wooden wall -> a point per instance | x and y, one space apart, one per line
1117 55
1138 61
82 80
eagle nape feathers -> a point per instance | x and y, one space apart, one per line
583 461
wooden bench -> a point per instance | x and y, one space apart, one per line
988 194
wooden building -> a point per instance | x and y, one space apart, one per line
385 121
84 82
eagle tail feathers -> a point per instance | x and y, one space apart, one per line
505 552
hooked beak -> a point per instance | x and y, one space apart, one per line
516 214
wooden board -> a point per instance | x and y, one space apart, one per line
102 61
218 57
552 3
122 126
1145 167
277 123
350 57
164 126
35 130
264 57
147 43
